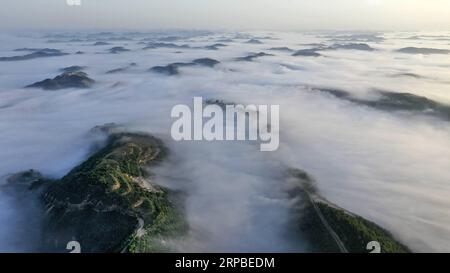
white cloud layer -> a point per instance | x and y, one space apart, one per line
391 168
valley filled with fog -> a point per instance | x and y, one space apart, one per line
379 155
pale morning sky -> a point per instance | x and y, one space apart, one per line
228 14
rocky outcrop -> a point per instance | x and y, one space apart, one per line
392 101
252 56
118 49
254 42
282 49
101 43
155 45
74 68
66 80
423 50
173 69
206 62
121 69
216 46
314 52
306 53
35 53
352 46
169 70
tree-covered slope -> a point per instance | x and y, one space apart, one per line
327 228
109 203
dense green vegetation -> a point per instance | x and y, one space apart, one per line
109 204
356 232
316 220
311 230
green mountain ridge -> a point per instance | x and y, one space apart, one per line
329 228
109 203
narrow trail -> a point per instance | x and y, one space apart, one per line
330 230
139 232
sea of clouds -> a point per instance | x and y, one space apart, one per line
391 168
